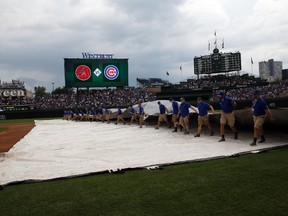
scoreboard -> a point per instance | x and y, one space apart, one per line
217 63
95 72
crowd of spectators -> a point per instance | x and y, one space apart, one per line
220 81
269 91
237 87
91 98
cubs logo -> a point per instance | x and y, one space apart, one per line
83 72
111 72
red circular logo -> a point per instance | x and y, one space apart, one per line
83 72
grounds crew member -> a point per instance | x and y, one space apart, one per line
203 117
162 117
66 114
184 114
76 115
120 117
175 115
141 113
227 116
134 115
260 113
94 115
101 114
107 115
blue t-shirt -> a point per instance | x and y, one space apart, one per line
202 108
101 111
175 107
76 112
226 105
132 110
106 111
184 109
141 110
260 107
162 109
119 111
94 112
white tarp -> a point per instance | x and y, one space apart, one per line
152 108
58 148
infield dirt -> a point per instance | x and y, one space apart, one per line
12 134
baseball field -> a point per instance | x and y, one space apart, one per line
254 184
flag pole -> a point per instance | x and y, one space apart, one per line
215 42
252 65
181 73
167 73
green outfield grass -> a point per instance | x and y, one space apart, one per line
253 185
30 120
15 121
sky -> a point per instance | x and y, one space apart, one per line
156 35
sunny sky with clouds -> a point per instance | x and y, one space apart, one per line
156 35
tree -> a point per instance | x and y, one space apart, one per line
40 91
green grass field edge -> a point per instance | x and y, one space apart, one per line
2 129
254 184
28 120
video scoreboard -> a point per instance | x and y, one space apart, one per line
95 72
217 63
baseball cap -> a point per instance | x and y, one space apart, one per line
182 98
158 102
257 92
170 99
221 94
199 98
